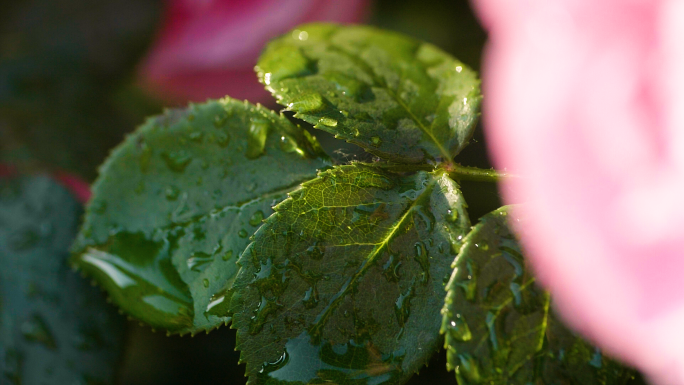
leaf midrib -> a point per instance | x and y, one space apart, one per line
378 82
323 317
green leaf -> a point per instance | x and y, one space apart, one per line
54 327
345 281
396 97
175 204
499 325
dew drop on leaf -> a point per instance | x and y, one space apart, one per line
256 218
256 141
243 233
177 160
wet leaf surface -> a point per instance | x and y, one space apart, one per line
396 97
54 327
499 325
175 204
344 282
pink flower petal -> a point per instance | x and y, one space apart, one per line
585 98
208 48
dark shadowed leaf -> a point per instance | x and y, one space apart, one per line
175 204
396 97
54 327
344 283
499 325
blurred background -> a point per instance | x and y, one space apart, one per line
77 75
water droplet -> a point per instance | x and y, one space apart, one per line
469 368
196 136
35 329
308 103
205 282
349 86
287 144
220 120
256 141
458 329
172 193
222 139
357 133
452 215
311 298
243 233
391 268
177 160
219 303
376 141
329 122
490 321
402 306
256 218
228 255
315 251
517 295
421 256
199 261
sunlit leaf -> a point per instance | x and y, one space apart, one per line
394 96
175 204
344 283
54 327
499 325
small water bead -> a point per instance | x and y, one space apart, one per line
243 233
205 282
452 215
287 144
256 218
458 329
308 103
376 141
329 122
469 369
256 140
196 136
228 255
222 139
171 193
177 161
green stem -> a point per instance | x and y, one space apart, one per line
458 172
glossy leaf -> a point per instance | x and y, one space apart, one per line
175 204
54 327
396 97
344 282
499 325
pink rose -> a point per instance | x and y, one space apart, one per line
585 99
208 48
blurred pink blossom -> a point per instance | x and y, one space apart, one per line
585 99
208 48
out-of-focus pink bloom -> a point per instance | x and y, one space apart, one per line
585 99
76 185
208 48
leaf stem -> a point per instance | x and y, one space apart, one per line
458 172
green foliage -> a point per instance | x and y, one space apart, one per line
396 97
175 204
346 279
54 327
499 325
